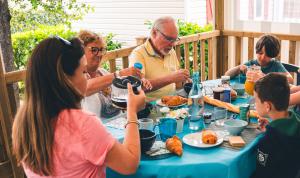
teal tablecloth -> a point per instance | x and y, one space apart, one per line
215 162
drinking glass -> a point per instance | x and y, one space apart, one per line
249 85
196 123
219 116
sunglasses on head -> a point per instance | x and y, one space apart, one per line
96 50
64 41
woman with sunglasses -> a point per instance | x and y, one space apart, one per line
98 98
51 134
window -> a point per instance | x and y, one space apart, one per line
270 10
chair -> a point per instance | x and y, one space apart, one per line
293 69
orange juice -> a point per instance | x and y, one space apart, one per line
249 87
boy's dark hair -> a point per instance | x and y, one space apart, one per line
274 88
271 44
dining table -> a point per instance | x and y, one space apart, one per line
213 162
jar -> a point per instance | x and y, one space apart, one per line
218 93
207 117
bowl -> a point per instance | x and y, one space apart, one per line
239 88
235 126
145 112
187 87
147 139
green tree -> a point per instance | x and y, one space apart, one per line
28 15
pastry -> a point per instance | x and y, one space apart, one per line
174 145
173 100
209 137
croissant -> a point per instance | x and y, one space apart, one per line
174 145
173 100
209 137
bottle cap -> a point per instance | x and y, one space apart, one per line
138 65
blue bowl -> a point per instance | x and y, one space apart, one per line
235 126
147 139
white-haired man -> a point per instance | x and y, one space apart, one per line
159 60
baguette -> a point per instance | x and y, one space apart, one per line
228 106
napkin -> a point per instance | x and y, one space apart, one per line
228 106
236 141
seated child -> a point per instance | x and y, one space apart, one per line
278 151
267 48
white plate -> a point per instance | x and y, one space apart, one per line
159 103
195 140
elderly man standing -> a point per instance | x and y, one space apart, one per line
159 60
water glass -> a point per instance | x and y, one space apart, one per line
220 115
208 89
196 123
146 123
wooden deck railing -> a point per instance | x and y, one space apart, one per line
210 68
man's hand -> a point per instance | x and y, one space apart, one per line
131 71
180 76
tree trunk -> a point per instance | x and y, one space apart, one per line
7 105
7 52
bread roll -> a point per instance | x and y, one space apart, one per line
209 137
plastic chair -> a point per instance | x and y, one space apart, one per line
293 69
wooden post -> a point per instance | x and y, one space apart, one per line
202 46
178 53
292 51
112 65
125 62
6 119
238 50
195 56
186 56
250 48
210 59
219 25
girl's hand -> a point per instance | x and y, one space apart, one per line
135 102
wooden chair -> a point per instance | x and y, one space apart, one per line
294 70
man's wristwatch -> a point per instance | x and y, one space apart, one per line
117 74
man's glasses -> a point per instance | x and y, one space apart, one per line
96 50
170 39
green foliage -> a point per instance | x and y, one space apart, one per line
188 28
24 42
28 15
185 29
111 44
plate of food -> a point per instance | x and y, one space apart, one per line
172 101
204 139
